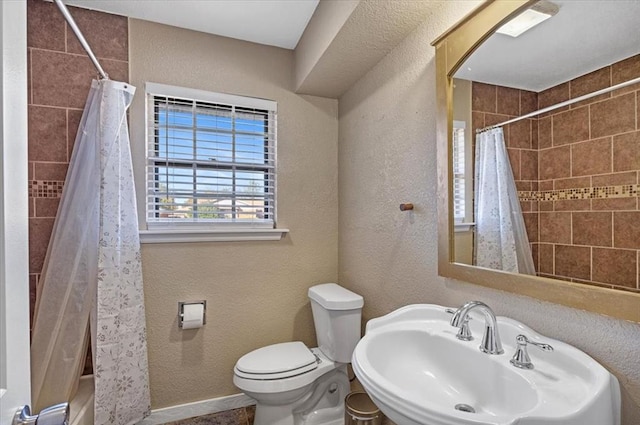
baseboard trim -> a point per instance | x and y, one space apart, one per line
198 408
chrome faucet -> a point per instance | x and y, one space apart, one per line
464 334
491 339
521 358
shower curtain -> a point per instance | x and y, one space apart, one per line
92 276
501 240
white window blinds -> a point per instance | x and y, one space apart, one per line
211 158
459 174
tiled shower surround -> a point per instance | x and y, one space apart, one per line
59 79
576 170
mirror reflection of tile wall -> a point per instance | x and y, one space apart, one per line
577 171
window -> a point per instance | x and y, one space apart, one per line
459 172
211 160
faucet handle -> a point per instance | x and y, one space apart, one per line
53 415
464 333
521 357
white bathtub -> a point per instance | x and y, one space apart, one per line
82 404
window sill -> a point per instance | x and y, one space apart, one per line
463 227
221 235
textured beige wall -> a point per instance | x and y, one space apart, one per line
256 291
327 20
463 244
387 156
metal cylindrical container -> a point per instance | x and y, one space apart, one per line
360 410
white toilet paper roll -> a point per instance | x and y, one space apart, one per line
193 316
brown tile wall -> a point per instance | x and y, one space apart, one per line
593 143
59 78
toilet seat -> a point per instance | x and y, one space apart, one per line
295 381
277 361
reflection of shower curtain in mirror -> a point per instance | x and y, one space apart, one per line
92 273
501 240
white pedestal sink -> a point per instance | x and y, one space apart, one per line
418 373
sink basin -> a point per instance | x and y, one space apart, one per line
418 372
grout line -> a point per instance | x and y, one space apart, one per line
495 102
571 227
78 54
613 244
611 155
55 107
610 75
589 120
30 75
591 249
520 102
571 161
66 138
613 229
570 83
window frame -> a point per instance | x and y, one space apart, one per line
465 223
161 231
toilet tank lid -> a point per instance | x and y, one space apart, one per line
334 297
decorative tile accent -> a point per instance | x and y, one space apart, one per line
603 192
45 188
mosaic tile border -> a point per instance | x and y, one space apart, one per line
603 192
45 188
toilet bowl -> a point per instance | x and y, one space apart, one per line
296 385
290 397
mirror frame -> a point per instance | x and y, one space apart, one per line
452 49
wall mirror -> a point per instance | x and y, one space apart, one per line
566 178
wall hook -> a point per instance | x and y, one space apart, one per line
406 207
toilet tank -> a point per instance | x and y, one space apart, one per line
337 313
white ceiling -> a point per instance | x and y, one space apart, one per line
583 36
272 22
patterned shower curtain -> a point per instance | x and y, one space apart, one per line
501 240
92 273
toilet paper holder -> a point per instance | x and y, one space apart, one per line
182 304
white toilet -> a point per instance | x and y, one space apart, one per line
297 385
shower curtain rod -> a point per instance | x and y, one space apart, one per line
81 39
562 104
